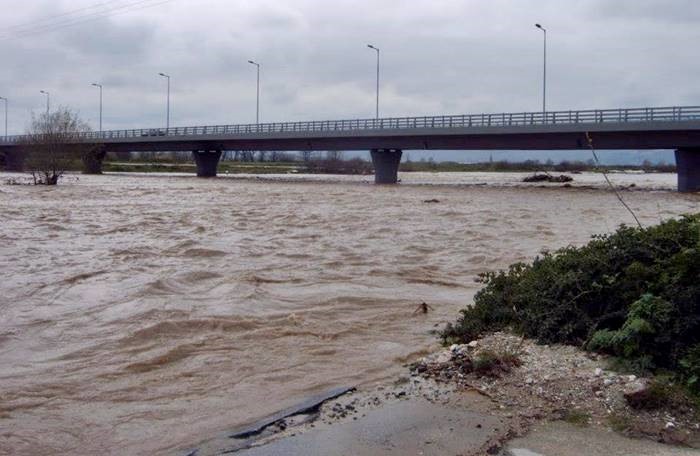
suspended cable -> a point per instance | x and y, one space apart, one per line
54 17
115 11
607 179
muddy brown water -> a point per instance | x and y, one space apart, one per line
142 315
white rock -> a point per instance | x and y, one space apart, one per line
598 372
607 382
631 378
636 387
473 344
670 425
444 357
454 348
529 381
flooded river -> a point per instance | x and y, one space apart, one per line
143 314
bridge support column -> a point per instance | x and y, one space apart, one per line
386 165
92 160
688 166
207 161
12 160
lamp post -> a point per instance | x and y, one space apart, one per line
100 87
48 102
257 103
5 100
376 49
544 73
167 117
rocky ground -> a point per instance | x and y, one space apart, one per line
505 387
527 383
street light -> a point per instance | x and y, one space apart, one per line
167 118
544 73
5 100
100 87
376 49
48 101
257 103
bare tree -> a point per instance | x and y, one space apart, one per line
52 146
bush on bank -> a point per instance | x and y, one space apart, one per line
634 294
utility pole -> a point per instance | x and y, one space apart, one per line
544 72
48 102
100 87
5 100
167 117
376 49
257 103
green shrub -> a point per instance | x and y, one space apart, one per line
690 368
634 293
645 332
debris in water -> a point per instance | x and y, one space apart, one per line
423 308
548 178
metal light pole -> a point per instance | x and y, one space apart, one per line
48 102
257 103
100 87
167 118
544 80
376 49
5 100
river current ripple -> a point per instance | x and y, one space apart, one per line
141 315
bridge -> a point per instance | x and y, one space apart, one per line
676 128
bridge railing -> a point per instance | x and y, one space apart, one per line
597 116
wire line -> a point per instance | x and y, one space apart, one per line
607 179
110 12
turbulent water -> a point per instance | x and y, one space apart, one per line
141 315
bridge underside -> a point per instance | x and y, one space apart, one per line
613 140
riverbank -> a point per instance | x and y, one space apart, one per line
541 405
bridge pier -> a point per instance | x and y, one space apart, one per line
92 160
688 167
12 160
386 165
207 161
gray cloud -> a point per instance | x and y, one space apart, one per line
438 57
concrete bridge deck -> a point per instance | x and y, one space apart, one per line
675 128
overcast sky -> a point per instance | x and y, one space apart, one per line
438 57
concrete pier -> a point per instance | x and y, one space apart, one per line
12 160
92 160
207 162
688 165
386 165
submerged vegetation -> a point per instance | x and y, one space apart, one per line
634 294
